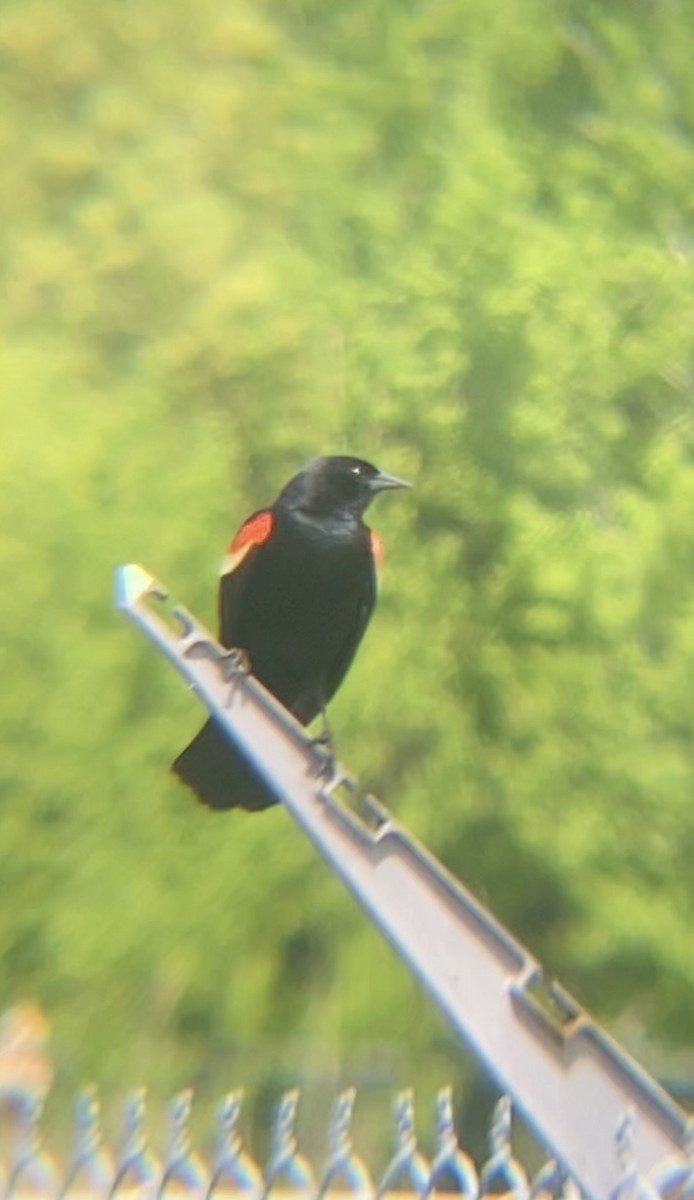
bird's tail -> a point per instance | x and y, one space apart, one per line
219 774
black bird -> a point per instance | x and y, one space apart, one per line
298 587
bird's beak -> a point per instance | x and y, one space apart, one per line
383 482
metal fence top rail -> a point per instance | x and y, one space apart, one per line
574 1085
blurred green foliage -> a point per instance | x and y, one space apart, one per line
455 238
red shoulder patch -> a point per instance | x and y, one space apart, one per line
377 549
254 532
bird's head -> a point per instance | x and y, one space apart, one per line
338 485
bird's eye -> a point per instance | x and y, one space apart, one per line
356 470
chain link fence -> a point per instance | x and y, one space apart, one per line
133 1167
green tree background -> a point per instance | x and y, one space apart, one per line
453 237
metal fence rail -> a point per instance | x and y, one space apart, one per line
136 1169
574 1085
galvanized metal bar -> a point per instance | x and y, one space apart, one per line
570 1080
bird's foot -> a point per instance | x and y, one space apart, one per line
235 662
234 665
325 760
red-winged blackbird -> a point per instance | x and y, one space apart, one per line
297 589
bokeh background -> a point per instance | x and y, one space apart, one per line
455 238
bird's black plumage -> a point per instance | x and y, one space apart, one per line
297 590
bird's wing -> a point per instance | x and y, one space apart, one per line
236 569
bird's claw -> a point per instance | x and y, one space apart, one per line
235 662
325 761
